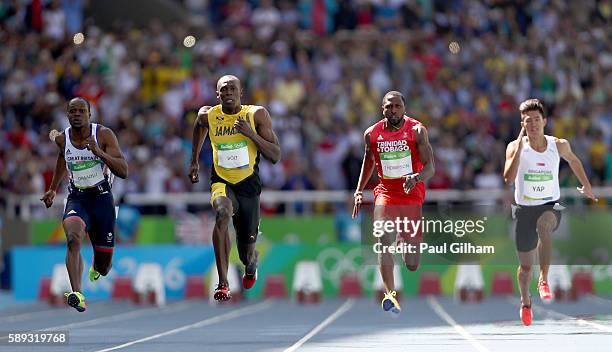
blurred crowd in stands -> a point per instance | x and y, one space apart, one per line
321 68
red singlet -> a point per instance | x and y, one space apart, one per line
396 155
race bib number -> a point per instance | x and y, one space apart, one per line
233 155
396 164
538 186
86 173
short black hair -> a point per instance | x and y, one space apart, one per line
83 99
394 93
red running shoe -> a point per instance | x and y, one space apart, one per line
248 281
222 293
544 291
526 315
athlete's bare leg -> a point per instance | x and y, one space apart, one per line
524 273
103 262
221 239
414 239
75 232
385 260
545 226
412 260
386 264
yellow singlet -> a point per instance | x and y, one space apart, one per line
235 157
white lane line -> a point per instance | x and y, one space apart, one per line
558 315
123 316
34 314
439 310
335 315
26 316
209 321
113 318
579 321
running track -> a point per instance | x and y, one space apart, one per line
426 324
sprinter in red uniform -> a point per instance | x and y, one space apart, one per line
399 148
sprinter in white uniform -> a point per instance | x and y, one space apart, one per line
532 163
90 154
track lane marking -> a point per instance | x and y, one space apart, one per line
330 319
441 312
209 321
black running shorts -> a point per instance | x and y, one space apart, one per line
246 212
95 208
526 224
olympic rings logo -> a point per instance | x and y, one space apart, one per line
334 263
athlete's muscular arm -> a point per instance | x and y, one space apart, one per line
200 129
427 158
513 156
109 153
265 139
367 167
565 151
58 174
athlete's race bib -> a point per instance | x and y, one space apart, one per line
396 164
233 155
538 186
86 173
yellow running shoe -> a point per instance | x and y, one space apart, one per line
76 300
390 304
93 274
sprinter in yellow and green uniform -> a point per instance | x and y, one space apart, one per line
239 134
